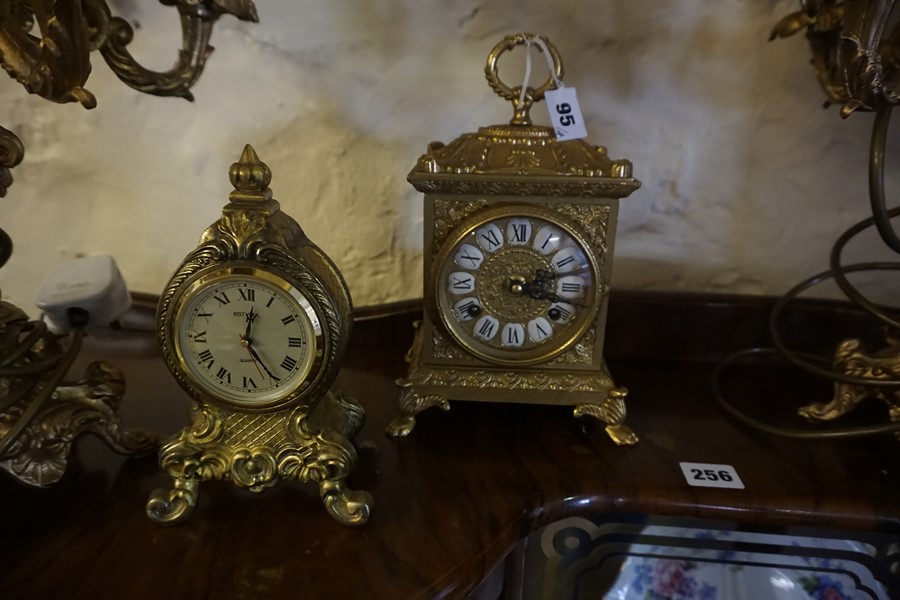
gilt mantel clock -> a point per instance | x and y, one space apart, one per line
254 325
519 232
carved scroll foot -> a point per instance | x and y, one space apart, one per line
176 505
348 507
409 405
612 412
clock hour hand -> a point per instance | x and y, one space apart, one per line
250 318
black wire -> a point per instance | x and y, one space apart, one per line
840 278
6 247
876 178
881 218
46 384
38 328
847 432
794 358
805 362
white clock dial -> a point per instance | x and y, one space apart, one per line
248 339
516 284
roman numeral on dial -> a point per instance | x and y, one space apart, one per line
222 298
206 357
468 257
518 231
513 335
288 363
489 237
461 283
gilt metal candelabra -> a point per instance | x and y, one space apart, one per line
46 45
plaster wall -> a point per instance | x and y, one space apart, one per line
746 179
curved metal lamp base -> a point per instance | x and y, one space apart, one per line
38 456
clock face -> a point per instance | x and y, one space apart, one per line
247 337
516 285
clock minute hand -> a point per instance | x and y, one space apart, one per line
540 288
260 361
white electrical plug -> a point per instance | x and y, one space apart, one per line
93 284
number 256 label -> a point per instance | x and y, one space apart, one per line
711 475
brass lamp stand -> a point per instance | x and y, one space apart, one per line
856 62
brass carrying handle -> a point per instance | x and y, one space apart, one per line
522 102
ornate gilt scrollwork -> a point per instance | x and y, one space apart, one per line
302 451
37 425
197 20
410 403
855 57
56 63
851 359
46 45
856 54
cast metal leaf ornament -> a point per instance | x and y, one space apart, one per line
855 54
46 45
54 64
11 153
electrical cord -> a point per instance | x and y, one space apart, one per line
835 433
876 178
881 219
33 376
6 247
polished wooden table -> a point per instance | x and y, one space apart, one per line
454 499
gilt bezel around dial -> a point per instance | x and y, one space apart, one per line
516 284
246 338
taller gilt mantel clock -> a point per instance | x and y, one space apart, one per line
519 232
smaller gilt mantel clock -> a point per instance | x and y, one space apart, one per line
519 232
254 325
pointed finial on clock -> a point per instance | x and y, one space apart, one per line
250 178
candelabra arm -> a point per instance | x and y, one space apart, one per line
197 20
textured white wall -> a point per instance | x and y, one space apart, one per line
746 180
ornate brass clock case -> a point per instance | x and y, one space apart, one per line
519 234
254 325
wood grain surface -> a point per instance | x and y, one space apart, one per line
453 499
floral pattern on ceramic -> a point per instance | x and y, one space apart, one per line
668 579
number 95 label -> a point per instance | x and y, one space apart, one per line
565 114
711 475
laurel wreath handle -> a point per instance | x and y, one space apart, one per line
522 101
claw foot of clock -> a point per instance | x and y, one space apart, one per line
347 506
622 435
401 426
612 412
409 405
173 506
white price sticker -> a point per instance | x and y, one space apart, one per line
711 475
565 114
